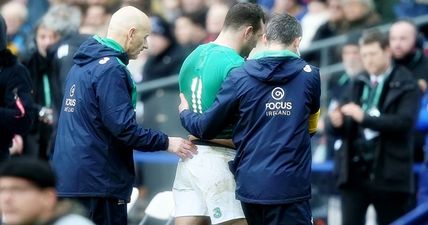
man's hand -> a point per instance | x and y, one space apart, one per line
353 110
183 103
17 145
422 85
336 118
46 115
181 147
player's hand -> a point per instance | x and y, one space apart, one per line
181 147
183 103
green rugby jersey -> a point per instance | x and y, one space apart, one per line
202 74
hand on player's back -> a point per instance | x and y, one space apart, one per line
181 147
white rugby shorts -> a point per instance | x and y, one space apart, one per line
204 186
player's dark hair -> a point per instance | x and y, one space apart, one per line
244 14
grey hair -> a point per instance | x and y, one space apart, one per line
283 28
62 19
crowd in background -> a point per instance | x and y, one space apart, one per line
44 35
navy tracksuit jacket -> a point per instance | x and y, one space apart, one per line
269 99
97 129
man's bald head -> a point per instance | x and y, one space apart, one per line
130 27
402 38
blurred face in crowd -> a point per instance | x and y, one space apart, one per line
282 6
215 18
251 40
183 30
402 36
354 10
190 6
23 203
95 15
335 10
351 59
375 59
45 38
157 44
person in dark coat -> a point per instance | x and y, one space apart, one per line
97 128
15 96
338 83
407 50
375 122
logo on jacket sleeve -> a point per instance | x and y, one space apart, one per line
307 69
276 107
70 102
72 89
104 60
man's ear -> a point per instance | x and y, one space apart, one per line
248 32
131 33
296 42
264 39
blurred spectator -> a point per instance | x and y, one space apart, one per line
374 123
15 14
61 53
339 83
96 20
15 96
28 196
171 10
292 7
164 59
336 23
190 30
57 39
165 54
193 6
215 19
360 14
407 50
46 90
316 15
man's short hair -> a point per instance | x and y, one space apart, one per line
244 14
283 28
33 170
374 36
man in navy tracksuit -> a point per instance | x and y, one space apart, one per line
97 129
274 101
